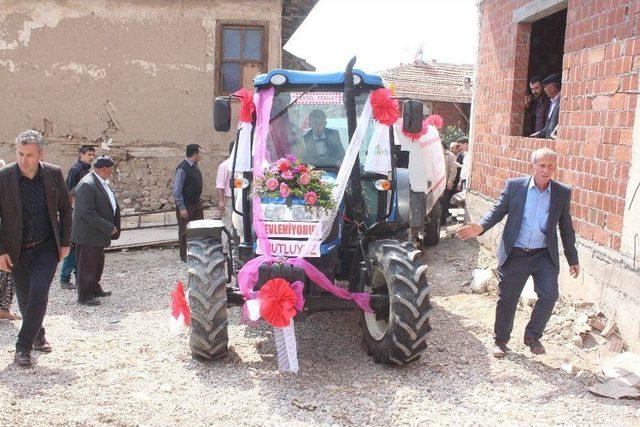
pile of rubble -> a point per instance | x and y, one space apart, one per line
586 327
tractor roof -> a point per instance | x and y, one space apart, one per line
310 78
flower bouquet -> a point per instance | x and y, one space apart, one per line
291 182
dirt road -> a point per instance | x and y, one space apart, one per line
119 364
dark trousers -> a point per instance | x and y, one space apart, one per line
445 203
90 266
32 276
69 265
194 212
513 275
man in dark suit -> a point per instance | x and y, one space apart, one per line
322 145
86 154
96 221
552 85
35 234
536 106
535 207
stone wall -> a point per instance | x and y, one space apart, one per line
135 78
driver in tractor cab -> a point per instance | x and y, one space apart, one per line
321 143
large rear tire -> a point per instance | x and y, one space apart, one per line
398 335
432 225
207 298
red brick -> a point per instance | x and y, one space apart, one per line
626 137
614 223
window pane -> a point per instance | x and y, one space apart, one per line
230 77
231 43
252 44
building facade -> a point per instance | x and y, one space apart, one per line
136 78
595 46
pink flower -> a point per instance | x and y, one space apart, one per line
284 190
311 198
287 174
272 184
305 178
283 165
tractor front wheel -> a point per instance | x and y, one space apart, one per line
396 333
207 298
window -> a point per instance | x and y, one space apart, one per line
241 54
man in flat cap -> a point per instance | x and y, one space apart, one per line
96 221
551 85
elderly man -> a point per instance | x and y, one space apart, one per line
451 167
535 207
96 221
322 145
552 85
35 234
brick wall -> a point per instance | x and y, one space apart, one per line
451 115
599 93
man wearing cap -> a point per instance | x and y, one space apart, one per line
551 85
35 234
96 221
187 188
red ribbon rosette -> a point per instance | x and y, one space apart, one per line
416 136
435 120
246 105
179 304
277 302
385 109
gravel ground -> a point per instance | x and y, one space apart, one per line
119 364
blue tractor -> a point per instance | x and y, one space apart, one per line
372 243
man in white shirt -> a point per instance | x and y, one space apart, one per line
96 221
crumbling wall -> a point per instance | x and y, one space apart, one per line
135 78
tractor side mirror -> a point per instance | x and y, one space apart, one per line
412 116
222 114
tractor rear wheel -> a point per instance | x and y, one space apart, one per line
207 298
397 333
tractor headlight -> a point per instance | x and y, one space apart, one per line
278 79
240 183
357 79
383 185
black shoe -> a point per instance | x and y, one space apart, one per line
41 345
90 302
23 358
101 294
534 345
67 285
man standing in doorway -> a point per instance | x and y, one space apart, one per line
96 221
535 206
536 105
552 86
35 234
86 154
187 189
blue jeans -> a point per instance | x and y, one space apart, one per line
69 265
513 275
32 275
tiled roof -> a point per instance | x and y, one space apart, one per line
432 81
292 62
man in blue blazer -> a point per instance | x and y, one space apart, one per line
535 206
